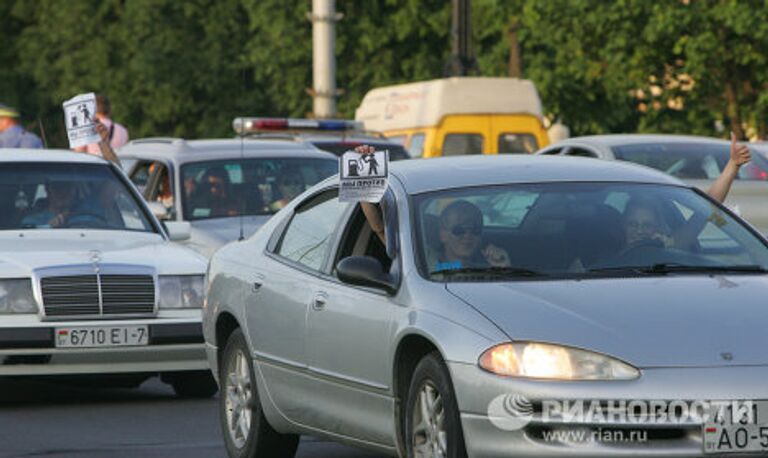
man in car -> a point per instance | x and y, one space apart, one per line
214 194
460 232
62 207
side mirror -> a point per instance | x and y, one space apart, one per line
365 271
178 231
158 210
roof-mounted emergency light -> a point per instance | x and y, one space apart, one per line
244 126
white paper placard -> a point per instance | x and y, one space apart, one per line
79 117
363 177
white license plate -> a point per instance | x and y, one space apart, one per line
737 427
102 336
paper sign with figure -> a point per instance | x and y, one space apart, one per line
79 117
363 177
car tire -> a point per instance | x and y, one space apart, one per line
197 384
247 433
432 421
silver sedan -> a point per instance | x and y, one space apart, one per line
696 160
516 306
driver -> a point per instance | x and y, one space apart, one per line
642 222
61 204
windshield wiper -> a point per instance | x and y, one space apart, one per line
493 271
665 268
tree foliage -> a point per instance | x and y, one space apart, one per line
187 68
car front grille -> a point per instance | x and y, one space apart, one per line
98 295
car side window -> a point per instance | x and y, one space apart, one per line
140 175
553 151
580 152
310 234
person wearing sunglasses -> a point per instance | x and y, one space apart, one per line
461 241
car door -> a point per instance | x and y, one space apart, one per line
279 298
349 340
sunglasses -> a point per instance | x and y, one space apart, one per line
460 230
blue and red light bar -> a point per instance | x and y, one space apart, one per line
250 125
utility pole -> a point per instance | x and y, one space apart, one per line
462 61
324 18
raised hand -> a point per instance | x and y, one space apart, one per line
740 153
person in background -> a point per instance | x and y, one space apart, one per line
290 184
12 135
116 134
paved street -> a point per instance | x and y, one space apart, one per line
43 419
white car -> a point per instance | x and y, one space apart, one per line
696 160
224 188
90 282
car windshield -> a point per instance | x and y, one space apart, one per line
396 152
578 230
67 195
690 160
219 189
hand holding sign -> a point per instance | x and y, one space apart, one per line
79 118
363 174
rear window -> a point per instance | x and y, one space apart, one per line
459 144
396 152
690 160
517 143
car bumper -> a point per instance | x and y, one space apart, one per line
28 348
476 389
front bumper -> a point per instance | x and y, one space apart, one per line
28 348
476 389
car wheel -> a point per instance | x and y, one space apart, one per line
432 423
197 384
246 430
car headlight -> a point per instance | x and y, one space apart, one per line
547 361
16 296
181 291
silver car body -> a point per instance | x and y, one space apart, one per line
27 341
208 235
331 358
746 198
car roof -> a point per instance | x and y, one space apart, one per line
47 155
181 150
629 139
423 175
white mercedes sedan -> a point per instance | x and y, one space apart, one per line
90 282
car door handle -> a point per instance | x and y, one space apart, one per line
318 302
257 283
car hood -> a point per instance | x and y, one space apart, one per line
23 251
672 321
209 235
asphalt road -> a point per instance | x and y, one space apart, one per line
51 420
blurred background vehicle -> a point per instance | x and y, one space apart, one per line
696 160
90 282
224 188
459 115
336 136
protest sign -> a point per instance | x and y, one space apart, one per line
363 177
79 117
